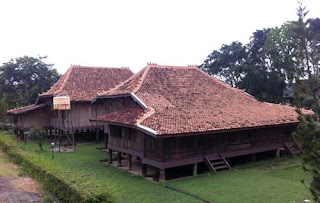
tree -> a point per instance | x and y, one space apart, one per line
308 133
263 79
248 67
280 47
307 54
22 79
38 134
227 63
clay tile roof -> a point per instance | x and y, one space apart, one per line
126 116
187 100
82 83
25 109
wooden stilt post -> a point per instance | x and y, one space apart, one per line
97 135
24 136
144 170
129 162
254 157
50 133
195 169
277 153
110 156
105 140
119 159
162 175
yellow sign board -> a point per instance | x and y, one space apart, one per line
61 103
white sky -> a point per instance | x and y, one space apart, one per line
115 33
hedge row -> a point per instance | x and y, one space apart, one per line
67 186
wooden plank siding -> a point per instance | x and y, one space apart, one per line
126 138
177 151
78 117
36 118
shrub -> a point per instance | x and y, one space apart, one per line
67 186
37 134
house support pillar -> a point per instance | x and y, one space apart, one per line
144 170
254 156
50 133
278 153
119 159
97 136
129 162
162 175
105 140
195 169
110 156
24 136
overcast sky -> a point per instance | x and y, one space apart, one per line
132 33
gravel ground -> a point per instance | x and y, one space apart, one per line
16 186
10 193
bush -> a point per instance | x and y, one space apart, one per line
64 184
37 134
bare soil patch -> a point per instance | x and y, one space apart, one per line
15 188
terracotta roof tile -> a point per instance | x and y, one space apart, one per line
26 109
82 83
187 100
126 116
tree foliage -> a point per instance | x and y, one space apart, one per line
227 63
307 54
37 134
23 78
249 67
274 59
308 133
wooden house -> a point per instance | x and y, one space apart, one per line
81 85
170 116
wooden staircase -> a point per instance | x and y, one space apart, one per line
293 149
216 165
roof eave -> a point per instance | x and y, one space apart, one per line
28 110
131 94
109 97
148 130
140 127
138 100
225 130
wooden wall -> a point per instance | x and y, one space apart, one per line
36 118
126 138
78 117
184 147
105 106
102 107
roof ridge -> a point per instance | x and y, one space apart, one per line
99 67
145 115
120 84
65 79
169 66
144 75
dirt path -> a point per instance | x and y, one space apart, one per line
16 187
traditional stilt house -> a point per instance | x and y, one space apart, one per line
81 85
171 116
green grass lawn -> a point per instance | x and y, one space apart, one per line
6 166
266 181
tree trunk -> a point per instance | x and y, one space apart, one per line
40 145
